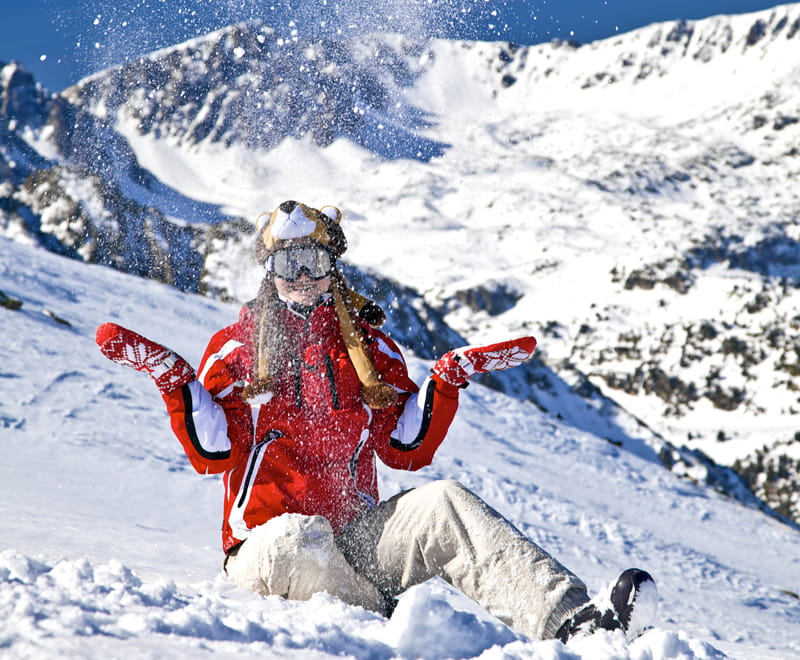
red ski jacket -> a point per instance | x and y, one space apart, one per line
310 447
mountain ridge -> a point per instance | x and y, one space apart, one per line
244 84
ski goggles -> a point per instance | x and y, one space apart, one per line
290 263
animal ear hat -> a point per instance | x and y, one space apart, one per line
293 223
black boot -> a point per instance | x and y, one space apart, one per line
629 605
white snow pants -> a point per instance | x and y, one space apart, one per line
440 529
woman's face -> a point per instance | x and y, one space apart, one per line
304 290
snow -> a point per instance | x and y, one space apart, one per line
110 540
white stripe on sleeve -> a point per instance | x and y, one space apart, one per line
228 348
210 425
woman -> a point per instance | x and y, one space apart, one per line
294 402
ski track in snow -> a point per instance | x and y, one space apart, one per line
110 547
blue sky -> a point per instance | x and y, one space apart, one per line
61 41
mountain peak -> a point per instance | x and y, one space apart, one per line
693 52
22 99
247 84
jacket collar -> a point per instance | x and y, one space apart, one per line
306 310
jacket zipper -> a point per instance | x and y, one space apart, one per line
331 382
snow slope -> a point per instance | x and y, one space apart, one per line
109 543
631 193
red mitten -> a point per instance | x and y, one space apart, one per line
126 347
458 366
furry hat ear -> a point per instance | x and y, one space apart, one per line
332 212
262 220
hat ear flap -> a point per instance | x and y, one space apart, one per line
375 392
264 243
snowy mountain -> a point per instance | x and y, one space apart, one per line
629 202
668 148
72 184
110 543
644 144
247 85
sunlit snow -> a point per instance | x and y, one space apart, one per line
110 541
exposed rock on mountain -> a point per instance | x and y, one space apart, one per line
73 184
247 85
